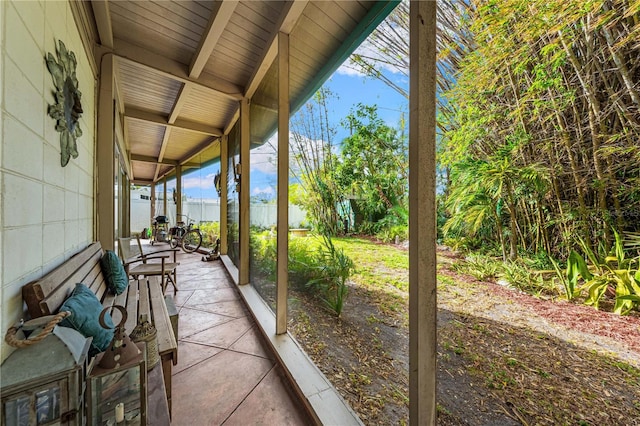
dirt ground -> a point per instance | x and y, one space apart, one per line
504 358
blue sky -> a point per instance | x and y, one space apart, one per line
351 88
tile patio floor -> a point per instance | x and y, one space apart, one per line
225 375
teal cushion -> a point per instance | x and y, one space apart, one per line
85 311
114 272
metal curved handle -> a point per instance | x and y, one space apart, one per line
122 310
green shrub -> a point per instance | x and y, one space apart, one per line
388 235
210 233
263 254
335 268
317 267
303 262
480 267
520 276
615 273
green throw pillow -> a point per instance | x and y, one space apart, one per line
85 311
114 272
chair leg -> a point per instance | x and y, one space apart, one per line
163 284
173 283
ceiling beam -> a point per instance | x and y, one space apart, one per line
220 17
290 15
163 148
180 101
103 22
151 117
174 70
232 122
151 159
142 182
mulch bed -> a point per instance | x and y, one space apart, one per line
586 319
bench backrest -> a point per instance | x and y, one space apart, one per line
46 295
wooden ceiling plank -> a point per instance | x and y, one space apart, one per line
220 17
290 15
151 117
197 150
175 70
103 22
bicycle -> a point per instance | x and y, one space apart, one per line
185 236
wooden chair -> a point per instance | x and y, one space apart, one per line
130 252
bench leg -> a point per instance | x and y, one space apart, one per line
166 371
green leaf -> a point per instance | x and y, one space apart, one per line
576 268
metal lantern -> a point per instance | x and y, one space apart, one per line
43 381
117 383
147 333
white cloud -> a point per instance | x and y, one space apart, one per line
369 50
267 190
264 158
197 181
347 69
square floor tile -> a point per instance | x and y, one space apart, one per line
210 391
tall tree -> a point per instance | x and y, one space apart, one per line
373 166
313 154
537 69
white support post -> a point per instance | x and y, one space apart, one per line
153 202
178 199
105 154
224 170
422 215
282 270
164 195
243 269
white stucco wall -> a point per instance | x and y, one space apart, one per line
46 211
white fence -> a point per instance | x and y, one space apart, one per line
260 214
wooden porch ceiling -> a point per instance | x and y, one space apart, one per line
182 66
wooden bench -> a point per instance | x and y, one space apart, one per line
143 296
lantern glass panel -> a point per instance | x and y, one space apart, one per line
16 411
120 387
48 405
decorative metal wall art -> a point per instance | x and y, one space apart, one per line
68 108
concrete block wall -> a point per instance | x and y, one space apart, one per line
46 210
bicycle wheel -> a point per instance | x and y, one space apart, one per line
191 241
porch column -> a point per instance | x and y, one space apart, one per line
224 169
245 140
105 154
422 215
153 202
164 196
126 208
282 270
179 193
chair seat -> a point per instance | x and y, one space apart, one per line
152 269
131 253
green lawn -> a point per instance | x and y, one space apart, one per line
378 266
